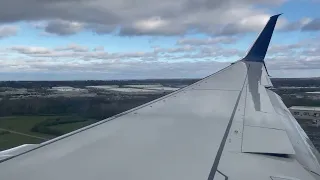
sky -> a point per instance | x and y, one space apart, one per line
152 39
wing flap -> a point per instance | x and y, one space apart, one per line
265 140
306 153
263 130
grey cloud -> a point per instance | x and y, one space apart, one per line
145 28
251 23
135 17
216 52
314 51
235 28
7 31
100 28
314 25
296 25
78 10
284 49
304 24
61 27
28 50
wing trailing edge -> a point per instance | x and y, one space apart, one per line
259 48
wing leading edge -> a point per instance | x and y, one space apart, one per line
208 130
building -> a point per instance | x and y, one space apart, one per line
307 113
67 89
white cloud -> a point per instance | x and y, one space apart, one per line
31 50
150 24
201 56
73 47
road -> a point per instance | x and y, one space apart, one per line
23 134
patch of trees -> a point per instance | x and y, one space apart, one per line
290 100
297 82
99 107
45 127
295 90
4 132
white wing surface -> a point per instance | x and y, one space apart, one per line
227 126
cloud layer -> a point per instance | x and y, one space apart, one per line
147 17
189 58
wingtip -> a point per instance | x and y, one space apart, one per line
259 48
276 16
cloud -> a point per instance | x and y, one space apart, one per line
73 47
247 24
8 30
304 54
100 28
296 25
107 70
30 50
207 41
140 17
180 49
283 49
63 28
313 25
98 48
303 24
198 56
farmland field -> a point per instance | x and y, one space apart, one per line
17 130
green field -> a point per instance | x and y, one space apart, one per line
11 140
72 126
17 130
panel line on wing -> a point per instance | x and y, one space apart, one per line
265 127
224 139
245 106
225 176
215 89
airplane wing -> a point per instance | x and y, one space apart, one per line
227 126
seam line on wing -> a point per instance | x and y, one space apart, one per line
225 176
214 89
244 115
224 139
265 127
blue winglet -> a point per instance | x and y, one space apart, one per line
259 48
